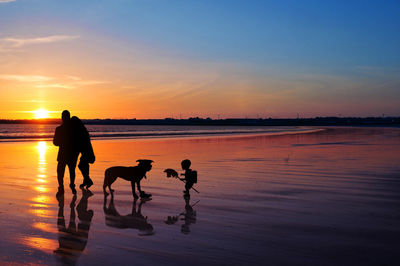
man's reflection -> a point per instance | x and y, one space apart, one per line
72 240
188 216
135 220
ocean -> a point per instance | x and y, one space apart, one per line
326 197
33 132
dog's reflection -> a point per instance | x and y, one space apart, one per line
73 239
135 220
188 216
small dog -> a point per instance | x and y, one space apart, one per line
133 174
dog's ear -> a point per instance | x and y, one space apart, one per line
144 161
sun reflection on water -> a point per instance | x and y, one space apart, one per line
40 203
40 206
43 244
41 188
42 148
45 227
44 213
41 177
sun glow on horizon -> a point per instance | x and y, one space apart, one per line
41 113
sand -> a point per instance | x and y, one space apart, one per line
324 198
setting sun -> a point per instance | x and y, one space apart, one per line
41 113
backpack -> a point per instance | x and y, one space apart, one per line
193 176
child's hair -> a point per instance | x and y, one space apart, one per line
186 164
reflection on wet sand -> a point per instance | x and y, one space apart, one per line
72 240
41 179
189 217
135 220
40 243
40 205
281 212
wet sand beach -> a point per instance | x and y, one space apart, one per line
330 197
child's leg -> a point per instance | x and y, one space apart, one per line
188 186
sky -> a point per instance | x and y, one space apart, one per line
209 58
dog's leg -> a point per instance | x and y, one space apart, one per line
133 190
104 191
105 202
105 185
138 187
108 180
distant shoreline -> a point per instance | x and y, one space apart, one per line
317 121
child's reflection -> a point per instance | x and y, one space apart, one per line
188 216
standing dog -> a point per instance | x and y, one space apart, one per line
133 174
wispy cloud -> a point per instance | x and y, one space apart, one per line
7 1
26 78
55 85
19 42
71 82
32 101
65 82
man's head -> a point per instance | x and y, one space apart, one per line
66 116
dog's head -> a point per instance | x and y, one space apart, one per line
145 164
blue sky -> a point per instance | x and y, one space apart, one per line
347 46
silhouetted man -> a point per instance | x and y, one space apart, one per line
67 153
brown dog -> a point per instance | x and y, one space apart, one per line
133 174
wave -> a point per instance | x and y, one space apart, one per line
112 134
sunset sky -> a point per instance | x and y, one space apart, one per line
232 58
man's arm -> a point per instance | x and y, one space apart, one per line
56 138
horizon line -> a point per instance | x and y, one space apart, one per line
207 118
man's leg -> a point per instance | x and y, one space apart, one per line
60 174
71 167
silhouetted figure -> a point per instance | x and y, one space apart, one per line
133 174
135 220
188 216
72 240
190 177
67 153
84 146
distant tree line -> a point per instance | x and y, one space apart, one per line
316 121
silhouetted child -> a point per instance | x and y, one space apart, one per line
190 177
